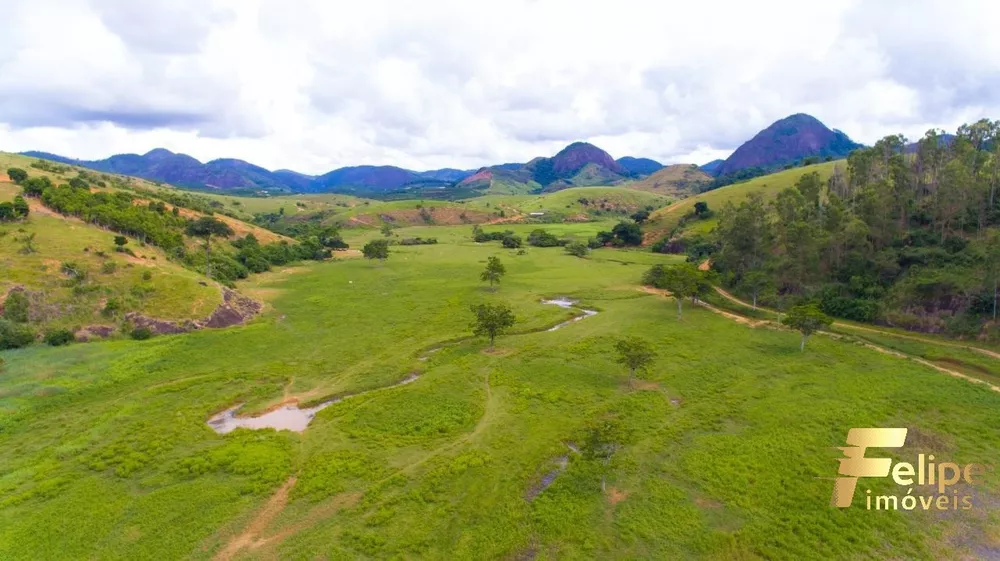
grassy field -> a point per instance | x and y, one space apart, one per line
663 221
730 446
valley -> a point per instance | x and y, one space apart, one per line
357 405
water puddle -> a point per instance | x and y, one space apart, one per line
287 417
569 305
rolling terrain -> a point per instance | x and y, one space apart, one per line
662 222
730 442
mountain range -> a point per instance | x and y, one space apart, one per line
786 141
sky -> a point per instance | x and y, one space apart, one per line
314 85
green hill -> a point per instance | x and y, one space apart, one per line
663 222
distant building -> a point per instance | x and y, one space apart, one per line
537 214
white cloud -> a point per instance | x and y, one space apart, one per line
317 85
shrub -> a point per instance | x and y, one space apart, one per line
142 333
15 336
15 309
577 249
511 241
112 307
17 175
59 337
542 238
109 267
147 275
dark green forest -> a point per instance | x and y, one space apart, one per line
903 235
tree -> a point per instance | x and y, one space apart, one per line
35 186
640 216
577 249
701 208
376 249
511 241
21 208
634 353
757 282
604 437
206 227
120 242
17 175
386 229
492 320
494 270
7 212
683 281
807 319
993 268
627 233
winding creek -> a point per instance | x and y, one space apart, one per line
569 305
296 419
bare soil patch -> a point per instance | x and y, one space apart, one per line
616 496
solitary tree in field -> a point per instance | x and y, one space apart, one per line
807 319
634 353
120 242
494 270
376 249
17 175
492 320
386 229
683 281
206 227
701 208
605 436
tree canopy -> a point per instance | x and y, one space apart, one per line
492 320
806 319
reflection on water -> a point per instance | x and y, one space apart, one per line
286 417
569 305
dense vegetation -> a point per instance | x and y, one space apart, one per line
905 239
153 223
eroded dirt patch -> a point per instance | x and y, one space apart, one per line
235 309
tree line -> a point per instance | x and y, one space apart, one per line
904 234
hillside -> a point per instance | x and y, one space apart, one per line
66 259
662 222
676 180
787 141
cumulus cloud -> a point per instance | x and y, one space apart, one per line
450 83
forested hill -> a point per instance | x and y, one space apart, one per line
909 240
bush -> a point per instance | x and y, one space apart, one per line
15 336
59 337
594 243
109 267
15 309
542 238
147 275
577 249
141 333
511 241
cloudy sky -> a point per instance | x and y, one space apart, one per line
312 85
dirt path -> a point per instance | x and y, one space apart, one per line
249 536
980 350
765 323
